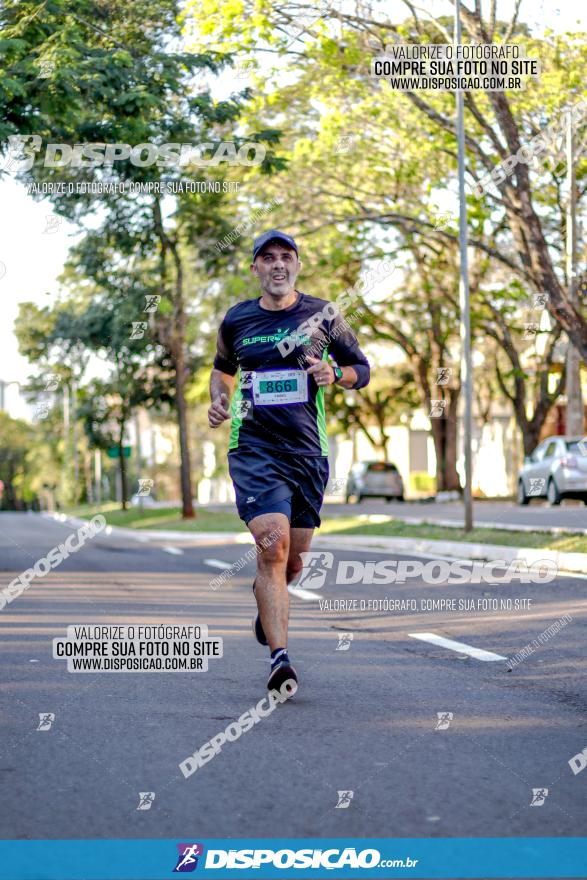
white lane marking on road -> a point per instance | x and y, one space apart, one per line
217 563
175 551
308 595
452 645
571 574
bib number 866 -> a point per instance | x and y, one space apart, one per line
271 387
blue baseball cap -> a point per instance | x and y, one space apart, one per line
273 235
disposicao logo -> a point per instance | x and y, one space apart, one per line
188 857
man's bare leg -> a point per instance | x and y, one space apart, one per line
299 542
271 532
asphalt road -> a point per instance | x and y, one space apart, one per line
538 514
364 719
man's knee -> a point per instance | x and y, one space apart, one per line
273 548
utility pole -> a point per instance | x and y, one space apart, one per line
575 420
73 414
464 303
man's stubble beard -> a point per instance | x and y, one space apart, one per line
281 292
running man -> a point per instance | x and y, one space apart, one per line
279 344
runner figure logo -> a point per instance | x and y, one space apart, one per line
188 857
443 375
146 799
152 301
537 485
345 144
138 329
53 222
539 795
46 69
243 68
41 410
46 719
315 569
335 486
443 219
344 642
344 800
437 408
539 301
52 382
241 409
444 719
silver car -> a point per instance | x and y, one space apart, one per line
556 469
374 479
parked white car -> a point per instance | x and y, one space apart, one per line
374 479
556 469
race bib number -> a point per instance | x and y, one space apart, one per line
279 387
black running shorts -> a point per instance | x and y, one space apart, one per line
267 481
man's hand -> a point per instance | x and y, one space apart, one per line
321 371
218 411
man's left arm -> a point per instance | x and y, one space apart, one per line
344 348
323 373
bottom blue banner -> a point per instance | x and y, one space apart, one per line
423 858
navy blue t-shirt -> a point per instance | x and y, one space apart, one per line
252 340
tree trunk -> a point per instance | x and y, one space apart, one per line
451 476
444 434
531 436
185 466
174 340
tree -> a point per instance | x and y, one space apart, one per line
115 79
525 379
379 405
16 439
364 157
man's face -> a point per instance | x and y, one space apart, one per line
276 267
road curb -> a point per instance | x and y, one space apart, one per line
479 523
572 562
154 535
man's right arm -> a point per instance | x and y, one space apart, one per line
222 380
221 388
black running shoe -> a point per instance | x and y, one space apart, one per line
282 671
258 630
